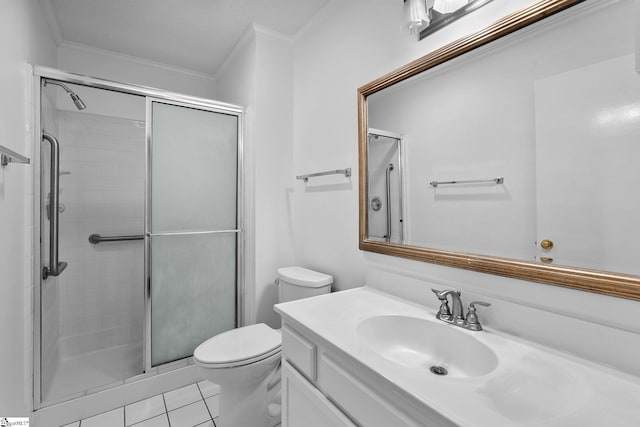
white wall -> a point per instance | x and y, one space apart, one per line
236 84
273 168
24 38
258 75
348 45
127 69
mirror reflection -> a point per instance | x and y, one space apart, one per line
554 110
385 189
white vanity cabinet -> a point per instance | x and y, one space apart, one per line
302 403
305 406
322 388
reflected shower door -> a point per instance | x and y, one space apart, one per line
385 210
192 228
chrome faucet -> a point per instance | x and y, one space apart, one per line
445 314
455 314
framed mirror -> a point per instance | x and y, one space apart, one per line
517 150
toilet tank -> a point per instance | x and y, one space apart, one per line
297 283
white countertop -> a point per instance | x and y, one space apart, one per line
532 384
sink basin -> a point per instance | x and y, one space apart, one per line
427 346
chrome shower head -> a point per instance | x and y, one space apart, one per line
80 105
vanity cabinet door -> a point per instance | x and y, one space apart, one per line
305 406
366 404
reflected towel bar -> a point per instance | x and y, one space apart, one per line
498 180
346 172
9 156
96 238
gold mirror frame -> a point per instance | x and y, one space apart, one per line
608 283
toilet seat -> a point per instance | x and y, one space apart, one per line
238 347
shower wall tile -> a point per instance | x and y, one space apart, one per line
102 290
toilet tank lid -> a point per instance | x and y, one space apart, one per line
304 277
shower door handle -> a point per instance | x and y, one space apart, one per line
55 267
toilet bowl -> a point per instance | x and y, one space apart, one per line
240 361
244 362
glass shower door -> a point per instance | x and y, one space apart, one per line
384 175
192 228
91 314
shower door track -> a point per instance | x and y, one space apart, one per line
40 73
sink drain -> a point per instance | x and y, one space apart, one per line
438 370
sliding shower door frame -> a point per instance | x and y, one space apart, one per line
148 234
37 255
151 94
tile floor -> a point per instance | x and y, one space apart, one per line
193 405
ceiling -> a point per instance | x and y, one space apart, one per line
197 35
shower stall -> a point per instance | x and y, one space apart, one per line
386 222
138 241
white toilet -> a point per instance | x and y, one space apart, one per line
244 361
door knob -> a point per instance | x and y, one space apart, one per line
546 244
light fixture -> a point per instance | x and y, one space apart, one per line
428 16
416 14
449 6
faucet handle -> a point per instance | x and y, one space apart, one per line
444 313
472 323
472 305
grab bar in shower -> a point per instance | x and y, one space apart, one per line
387 237
346 172
96 238
55 267
498 180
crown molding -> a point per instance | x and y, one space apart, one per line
247 37
330 8
52 21
262 31
253 32
135 59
